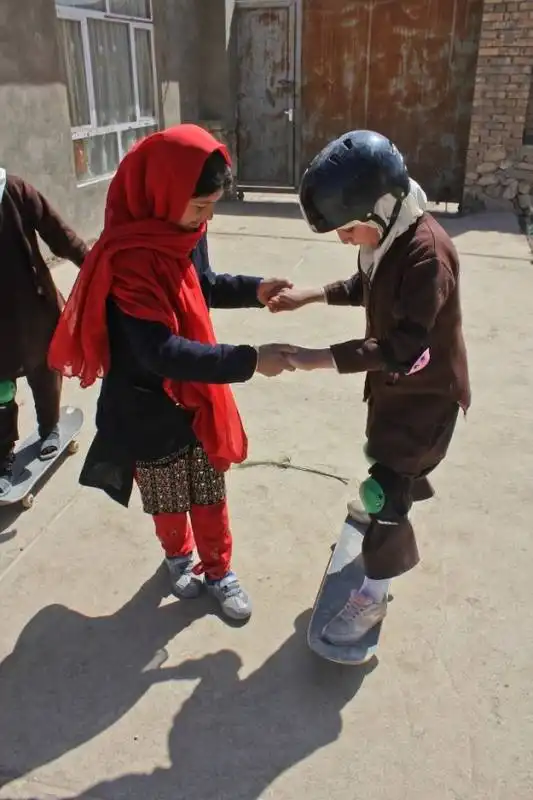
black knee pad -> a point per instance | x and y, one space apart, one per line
8 428
9 410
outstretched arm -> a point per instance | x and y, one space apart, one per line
424 290
60 238
163 353
340 293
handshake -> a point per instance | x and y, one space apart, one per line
273 359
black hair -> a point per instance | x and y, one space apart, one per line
215 175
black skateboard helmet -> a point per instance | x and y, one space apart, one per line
346 179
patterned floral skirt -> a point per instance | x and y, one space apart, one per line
170 485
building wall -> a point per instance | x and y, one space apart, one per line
35 140
499 164
215 101
229 8
35 136
178 59
218 83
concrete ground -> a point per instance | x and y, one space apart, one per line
110 690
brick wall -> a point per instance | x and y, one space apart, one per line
499 161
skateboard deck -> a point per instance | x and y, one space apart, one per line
343 574
28 468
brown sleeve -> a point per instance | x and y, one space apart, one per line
425 288
358 355
61 239
345 293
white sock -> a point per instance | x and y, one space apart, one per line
376 590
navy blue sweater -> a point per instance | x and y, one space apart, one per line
135 419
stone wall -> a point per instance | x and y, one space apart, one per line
499 161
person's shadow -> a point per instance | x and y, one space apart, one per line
234 736
70 677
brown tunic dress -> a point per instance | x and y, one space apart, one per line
29 301
413 302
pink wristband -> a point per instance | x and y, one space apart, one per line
421 362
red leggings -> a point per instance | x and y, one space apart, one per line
207 526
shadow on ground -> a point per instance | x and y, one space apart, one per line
235 736
8 535
8 528
71 677
10 513
8 516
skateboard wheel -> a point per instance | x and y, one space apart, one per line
73 447
27 501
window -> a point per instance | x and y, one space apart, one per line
108 54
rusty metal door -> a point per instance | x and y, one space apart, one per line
265 92
405 69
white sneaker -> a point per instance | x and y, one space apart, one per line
358 616
358 513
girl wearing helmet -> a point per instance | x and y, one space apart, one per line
412 351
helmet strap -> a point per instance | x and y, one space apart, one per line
394 217
374 218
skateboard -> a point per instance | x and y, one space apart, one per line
343 574
28 468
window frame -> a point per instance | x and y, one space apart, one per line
82 15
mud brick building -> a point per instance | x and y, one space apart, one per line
500 153
449 80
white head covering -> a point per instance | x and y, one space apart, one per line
413 206
3 178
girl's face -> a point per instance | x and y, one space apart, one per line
199 210
358 233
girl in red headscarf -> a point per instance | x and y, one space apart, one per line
138 318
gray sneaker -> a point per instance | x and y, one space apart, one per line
182 579
234 602
358 616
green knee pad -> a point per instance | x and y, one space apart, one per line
8 390
372 496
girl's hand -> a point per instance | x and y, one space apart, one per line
290 299
269 289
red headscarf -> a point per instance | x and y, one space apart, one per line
142 260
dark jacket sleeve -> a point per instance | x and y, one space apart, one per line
425 288
169 356
345 293
37 211
224 291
